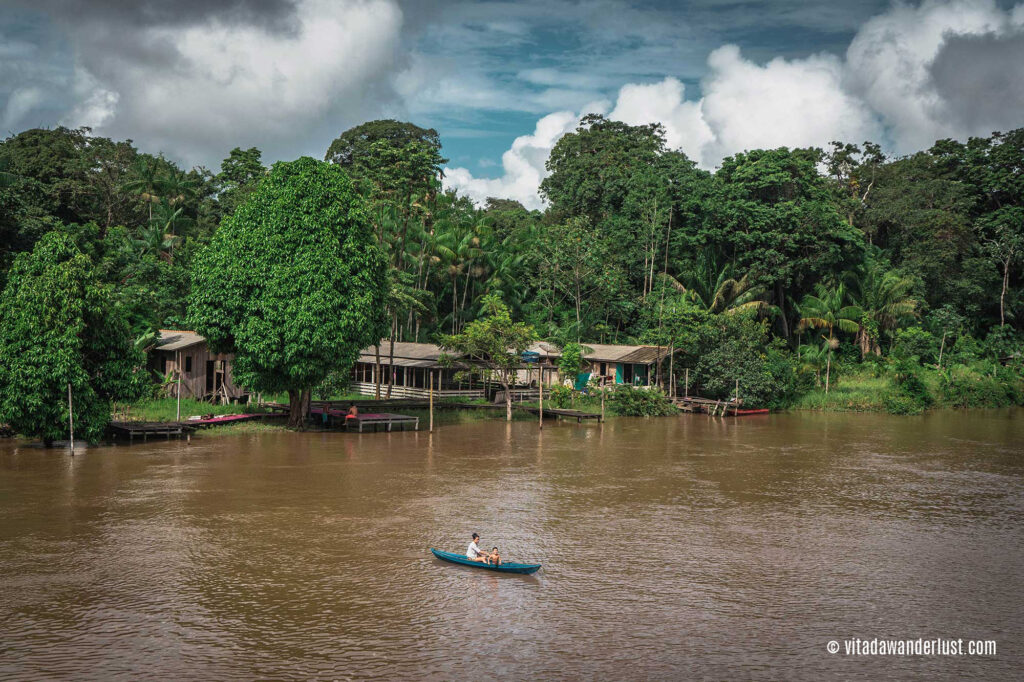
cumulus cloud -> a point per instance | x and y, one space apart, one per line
523 165
199 89
910 76
890 66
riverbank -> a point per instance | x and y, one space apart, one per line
959 387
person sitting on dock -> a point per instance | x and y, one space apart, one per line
473 551
353 413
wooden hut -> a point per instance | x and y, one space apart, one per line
203 375
410 372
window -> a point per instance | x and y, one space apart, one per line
188 364
163 364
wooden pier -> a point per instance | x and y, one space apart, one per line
374 419
145 430
719 408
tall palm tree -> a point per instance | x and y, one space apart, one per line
826 310
177 186
721 293
146 181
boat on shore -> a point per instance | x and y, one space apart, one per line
503 567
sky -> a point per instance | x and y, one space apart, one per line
501 81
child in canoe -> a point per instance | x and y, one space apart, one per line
494 558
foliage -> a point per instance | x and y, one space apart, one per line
59 326
562 396
494 341
633 401
293 283
915 342
964 386
571 361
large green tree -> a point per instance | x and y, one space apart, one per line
59 326
293 283
775 218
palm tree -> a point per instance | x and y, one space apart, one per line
825 310
145 181
886 298
717 291
813 358
177 186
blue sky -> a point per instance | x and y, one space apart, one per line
501 81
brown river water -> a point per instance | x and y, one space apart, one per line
673 548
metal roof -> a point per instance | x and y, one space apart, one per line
173 339
604 352
408 354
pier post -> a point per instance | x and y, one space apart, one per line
431 380
540 392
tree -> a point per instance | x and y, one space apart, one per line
59 326
773 215
886 298
827 310
293 283
238 177
496 342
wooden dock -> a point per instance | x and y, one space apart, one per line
357 422
145 430
720 408
559 413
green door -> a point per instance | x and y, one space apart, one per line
618 372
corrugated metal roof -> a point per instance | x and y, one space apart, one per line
408 354
173 339
605 352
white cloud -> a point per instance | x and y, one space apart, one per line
664 103
523 165
19 103
793 103
204 88
888 63
911 75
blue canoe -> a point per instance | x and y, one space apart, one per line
503 567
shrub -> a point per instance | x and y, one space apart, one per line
915 342
965 350
967 387
897 403
641 402
561 396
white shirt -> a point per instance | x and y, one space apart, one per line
473 551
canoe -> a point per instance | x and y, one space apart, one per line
503 567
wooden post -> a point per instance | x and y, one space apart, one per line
687 389
431 379
602 405
71 420
177 365
540 392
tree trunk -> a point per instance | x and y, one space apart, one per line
941 347
828 361
782 310
298 401
390 365
1002 296
376 374
508 399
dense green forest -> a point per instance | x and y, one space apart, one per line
793 271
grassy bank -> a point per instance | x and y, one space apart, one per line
961 386
165 410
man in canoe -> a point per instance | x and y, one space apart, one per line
473 551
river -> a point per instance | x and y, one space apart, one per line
690 547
